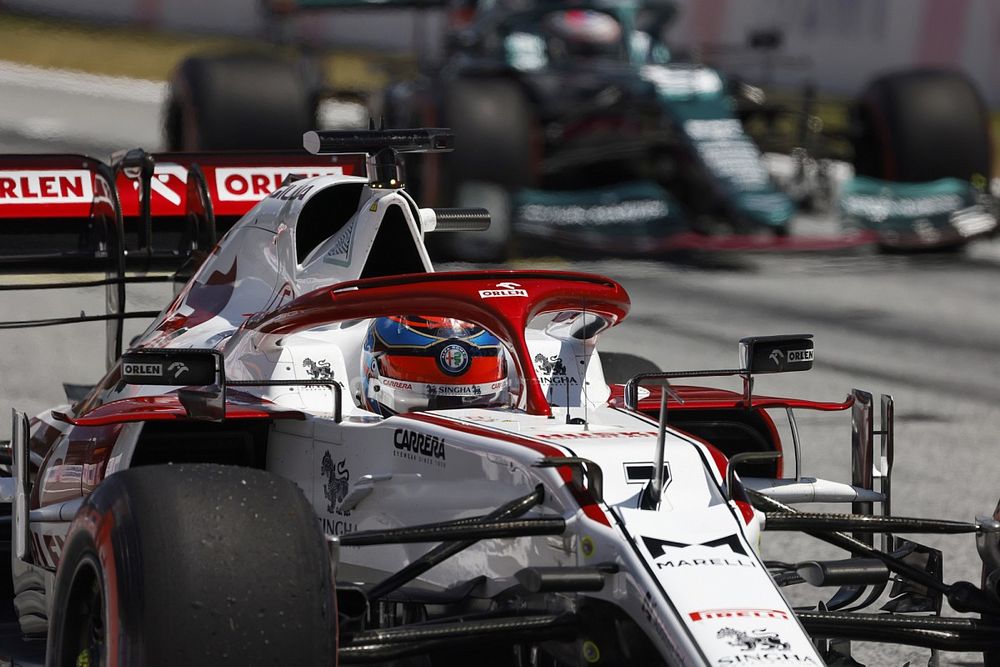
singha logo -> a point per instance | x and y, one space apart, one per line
318 370
335 489
550 365
751 641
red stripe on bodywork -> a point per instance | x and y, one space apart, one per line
165 408
587 504
706 398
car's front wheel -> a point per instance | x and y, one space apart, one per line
193 565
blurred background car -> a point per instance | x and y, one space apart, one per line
580 127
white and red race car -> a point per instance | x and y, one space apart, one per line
253 483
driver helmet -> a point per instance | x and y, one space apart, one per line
413 362
586 32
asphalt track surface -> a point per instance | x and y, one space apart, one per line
925 329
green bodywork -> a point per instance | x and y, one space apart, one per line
912 214
695 99
626 217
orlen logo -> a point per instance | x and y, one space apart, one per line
253 184
64 186
797 356
503 289
146 370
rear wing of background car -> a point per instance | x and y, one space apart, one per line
63 214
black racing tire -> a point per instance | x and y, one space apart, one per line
922 125
495 127
620 367
194 565
238 101
991 658
496 134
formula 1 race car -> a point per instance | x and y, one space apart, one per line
324 452
582 130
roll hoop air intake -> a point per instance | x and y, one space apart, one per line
383 150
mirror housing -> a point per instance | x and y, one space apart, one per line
776 354
184 368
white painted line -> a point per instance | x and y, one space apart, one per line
81 83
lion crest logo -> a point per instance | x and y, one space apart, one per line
318 370
337 478
550 365
750 641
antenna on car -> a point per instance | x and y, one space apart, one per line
583 376
384 148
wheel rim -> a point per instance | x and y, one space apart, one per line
85 626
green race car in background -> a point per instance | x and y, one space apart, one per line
578 129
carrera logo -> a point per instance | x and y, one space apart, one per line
712 614
144 370
419 446
66 186
397 384
253 184
502 290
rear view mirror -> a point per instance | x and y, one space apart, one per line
199 374
171 367
776 354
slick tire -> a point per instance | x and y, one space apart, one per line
239 101
193 565
991 658
922 125
495 154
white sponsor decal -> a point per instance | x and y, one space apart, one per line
577 215
254 183
800 355
148 370
503 289
169 181
64 186
682 81
879 208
